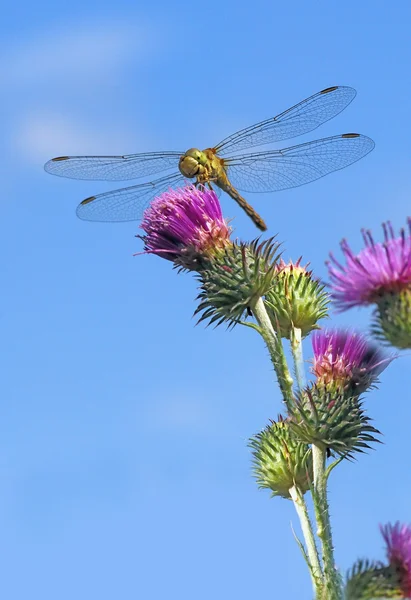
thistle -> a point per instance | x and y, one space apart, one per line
398 541
296 300
368 580
329 412
186 226
240 280
380 274
346 361
280 461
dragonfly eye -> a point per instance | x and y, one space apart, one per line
189 166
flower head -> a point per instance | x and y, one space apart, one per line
296 299
377 270
280 460
185 226
398 540
346 360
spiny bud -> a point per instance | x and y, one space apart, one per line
296 300
280 461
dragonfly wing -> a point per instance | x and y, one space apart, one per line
301 118
297 165
112 168
126 204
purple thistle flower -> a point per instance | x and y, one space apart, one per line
185 226
398 540
377 270
346 359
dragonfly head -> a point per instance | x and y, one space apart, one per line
192 163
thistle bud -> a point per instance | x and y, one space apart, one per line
280 461
296 300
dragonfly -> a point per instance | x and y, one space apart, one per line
225 166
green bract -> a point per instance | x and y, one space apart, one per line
235 279
368 581
332 421
392 319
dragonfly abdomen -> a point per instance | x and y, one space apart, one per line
249 210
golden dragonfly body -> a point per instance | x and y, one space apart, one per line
224 166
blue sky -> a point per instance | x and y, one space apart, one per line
124 466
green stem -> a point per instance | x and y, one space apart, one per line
331 579
297 352
332 583
308 533
275 349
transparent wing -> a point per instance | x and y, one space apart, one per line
126 204
301 118
216 190
282 169
112 168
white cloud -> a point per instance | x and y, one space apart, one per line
62 82
41 136
74 53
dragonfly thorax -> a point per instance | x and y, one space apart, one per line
193 163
